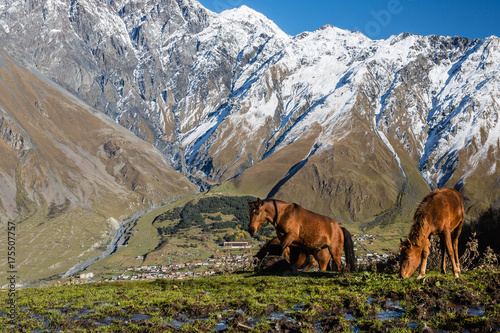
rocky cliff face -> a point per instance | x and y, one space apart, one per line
331 119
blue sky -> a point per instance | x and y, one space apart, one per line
378 19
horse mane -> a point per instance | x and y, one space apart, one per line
420 223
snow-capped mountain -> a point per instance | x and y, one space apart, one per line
361 123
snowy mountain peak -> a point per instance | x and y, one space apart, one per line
246 16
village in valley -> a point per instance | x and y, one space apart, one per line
211 266
231 257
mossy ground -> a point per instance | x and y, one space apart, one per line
250 301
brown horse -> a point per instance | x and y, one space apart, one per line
303 228
295 255
441 212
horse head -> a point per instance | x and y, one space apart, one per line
409 258
257 215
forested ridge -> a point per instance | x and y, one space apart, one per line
211 214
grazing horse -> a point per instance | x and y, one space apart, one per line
441 212
303 228
296 256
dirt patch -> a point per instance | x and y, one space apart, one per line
333 322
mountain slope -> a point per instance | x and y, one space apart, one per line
69 175
427 103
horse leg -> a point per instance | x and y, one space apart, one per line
425 253
302 261
442 245
322 261
337 261
336 254
456 234
449 250
289 238
323 264
287 254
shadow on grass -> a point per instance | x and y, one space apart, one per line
278 266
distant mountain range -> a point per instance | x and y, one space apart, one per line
355 128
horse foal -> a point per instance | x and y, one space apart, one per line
440 213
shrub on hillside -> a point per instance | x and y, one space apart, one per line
478 244
486 228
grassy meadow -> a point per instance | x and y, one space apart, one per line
262 301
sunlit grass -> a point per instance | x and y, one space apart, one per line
259 302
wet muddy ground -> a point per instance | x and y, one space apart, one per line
249 302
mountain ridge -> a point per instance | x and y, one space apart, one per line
239 64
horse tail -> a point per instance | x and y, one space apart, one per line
349 250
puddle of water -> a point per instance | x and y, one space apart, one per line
389 315
109 320
412 325
394 311
348 315
476 311
393 304
279 316
139 316
178 323
299 307
221 326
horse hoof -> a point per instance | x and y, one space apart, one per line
420 277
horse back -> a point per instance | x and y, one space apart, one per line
446 208
312 226
309 218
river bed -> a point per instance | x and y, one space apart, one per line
120 238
